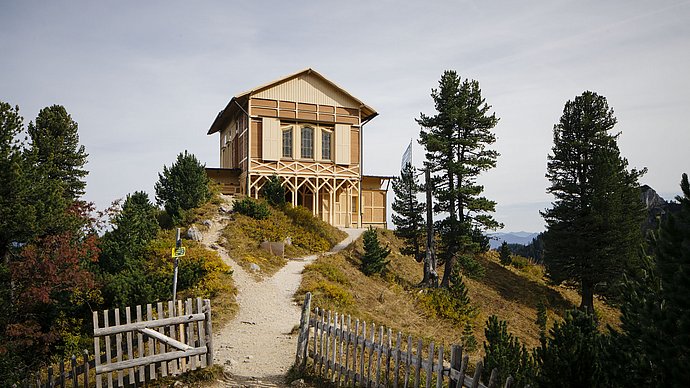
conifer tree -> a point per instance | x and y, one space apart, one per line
655 315
408 217
273 191
374 259
593 228
55 147
456 140
504 253
183 186
505 353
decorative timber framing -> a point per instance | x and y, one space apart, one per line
308 131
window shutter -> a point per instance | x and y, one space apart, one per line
342 144
271 138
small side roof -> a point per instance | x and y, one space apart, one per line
224 115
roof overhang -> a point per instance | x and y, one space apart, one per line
224 116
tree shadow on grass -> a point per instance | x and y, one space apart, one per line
522 290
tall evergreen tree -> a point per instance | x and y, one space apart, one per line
55 147
505 253
655 315
374 258
593 227
456 140
408 217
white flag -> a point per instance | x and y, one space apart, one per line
407 156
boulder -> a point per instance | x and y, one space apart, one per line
193 233
207 223
254 267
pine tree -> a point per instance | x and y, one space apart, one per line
593 228
655 315
408 217
505 254
456 141
55 147
505 353
374 258
183 186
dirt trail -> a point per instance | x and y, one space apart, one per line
256 348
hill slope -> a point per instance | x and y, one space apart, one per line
394 300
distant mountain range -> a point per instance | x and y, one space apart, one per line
523 238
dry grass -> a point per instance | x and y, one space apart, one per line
243 235
392 300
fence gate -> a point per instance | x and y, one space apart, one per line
142 345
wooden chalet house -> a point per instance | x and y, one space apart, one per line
308 131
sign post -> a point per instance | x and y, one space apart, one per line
177 252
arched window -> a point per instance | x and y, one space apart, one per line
307 143
287 142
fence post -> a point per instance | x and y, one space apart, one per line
209 332
455 364
477 374
303 336
86 368
493 380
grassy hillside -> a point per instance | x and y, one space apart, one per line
309 235
394 300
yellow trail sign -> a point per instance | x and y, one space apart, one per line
179 252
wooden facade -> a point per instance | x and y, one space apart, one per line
308 131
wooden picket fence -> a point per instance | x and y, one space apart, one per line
179 339
353 355
65 374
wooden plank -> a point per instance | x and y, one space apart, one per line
477 374
75 379
162 338
321 350
316 339
429 365
86 367
347 348
151 324
371 352
389 351
418 365
62 374
151 360
328 344
509 382
130 351
341 340
190 334
201 331
303 337
209 332
408 360
97 347
361 354
439 375
179 312
378 357
463 369
355 354
455 365
107 348
140 347
118 347
493 379
161 345
172 365
396 370
151 344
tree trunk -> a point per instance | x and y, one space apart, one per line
430 275
587 302
452 247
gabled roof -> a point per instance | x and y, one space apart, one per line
233 106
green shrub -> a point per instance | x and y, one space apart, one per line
274 192
251 208
505 254
470 266
520 262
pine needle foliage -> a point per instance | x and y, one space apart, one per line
408 212
594 227
374 258
456 140
183 186
505 353
274 192
504 254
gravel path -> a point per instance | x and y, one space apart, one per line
256 348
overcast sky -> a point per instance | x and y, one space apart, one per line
144 80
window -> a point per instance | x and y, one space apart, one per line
287 142
326 137
307 142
